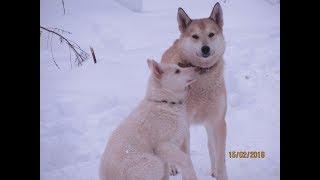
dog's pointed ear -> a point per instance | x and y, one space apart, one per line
155 68
183 20
216 14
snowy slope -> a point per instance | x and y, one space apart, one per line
80 107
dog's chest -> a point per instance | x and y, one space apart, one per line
206 97
171 127
181 131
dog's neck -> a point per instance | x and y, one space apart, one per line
163 96
200 70
159 95
180 102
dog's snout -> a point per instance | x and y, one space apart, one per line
205 49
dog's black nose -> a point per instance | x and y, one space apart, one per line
205 49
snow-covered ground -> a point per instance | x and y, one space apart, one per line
81 106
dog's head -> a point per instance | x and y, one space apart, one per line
201 41
172 77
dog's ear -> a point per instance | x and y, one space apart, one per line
155 68
216 14
183 20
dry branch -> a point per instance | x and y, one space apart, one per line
80 54
93 55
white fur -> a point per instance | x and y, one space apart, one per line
151 136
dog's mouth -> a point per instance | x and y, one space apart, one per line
204 60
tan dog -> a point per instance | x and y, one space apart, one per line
150 138
201 45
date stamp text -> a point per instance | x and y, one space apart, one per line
247 154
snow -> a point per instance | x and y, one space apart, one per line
81 106
134 5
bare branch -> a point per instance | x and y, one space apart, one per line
80 54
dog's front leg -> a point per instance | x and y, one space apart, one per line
216 131
186 143
185 147
172 154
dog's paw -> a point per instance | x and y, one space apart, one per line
173 170
219 176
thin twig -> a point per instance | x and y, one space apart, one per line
52 53
62 30
64 10
93 55
80 54
56 64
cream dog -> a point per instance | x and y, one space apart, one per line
150 138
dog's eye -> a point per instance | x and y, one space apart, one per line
177 71
211 35
195 36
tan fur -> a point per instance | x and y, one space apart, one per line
145 142
207 97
